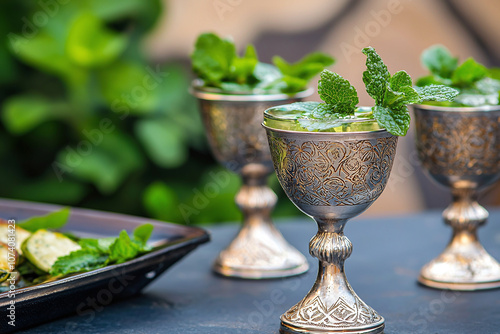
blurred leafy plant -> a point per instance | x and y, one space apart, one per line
87 121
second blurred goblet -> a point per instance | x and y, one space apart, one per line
331 177
460 149
233 126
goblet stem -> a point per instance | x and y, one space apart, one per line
259 250
464 264
331 305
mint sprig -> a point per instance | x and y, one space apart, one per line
216 62
392 94
477 84
98 253
212 58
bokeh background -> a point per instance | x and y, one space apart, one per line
95 110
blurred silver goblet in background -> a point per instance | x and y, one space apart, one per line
238 141
460 149
331 177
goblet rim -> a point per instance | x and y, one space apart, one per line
216 94
430 107
323 133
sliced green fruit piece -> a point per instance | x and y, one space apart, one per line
21 234
4 261
43 248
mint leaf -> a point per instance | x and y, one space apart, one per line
340 96
494 73
438 93
477 100
297 75
242 69
400 79
487 86
323 110
439 61
53 220
78 261
327 122
306 68
396 121
401 84
305 107
468 73
212 58
293 84
432 80
393 98
376 77
391 94
123 249
101 245
143 232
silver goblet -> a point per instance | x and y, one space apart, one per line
331 177
233 127
460 149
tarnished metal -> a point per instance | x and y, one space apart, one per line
460 149
236 137
332 177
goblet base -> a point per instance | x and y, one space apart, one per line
259 251
251 273
458 286
463 268
288 329
331 306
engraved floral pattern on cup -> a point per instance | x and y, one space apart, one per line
452 145
333 172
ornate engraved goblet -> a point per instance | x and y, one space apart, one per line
460 149
235 135
331 177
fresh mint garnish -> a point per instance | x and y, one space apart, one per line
212 58
468 73
439 61
98 253
477 84
392 94
216 62
78 261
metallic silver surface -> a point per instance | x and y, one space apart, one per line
332 177
236 137
460 149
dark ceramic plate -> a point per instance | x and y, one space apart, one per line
85 292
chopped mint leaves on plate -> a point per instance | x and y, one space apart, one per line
45 251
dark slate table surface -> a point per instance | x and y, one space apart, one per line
387 256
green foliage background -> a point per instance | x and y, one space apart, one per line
87 121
